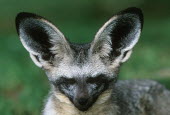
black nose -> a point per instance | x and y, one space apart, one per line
83 101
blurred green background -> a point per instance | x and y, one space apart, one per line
23 86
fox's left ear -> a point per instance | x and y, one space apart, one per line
119 35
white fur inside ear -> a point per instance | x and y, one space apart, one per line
131 45
58 40
101 30
103 39
25 44
34 59
127 56
136 38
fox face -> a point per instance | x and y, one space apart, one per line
81 72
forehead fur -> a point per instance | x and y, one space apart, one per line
81 64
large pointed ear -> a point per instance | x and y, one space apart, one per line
119 35
41 39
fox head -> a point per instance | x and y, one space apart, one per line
81 72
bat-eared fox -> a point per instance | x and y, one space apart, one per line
83 77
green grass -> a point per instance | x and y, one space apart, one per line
22 86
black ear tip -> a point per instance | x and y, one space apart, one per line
133 10
23 15
136 11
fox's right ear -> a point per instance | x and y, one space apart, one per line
41 39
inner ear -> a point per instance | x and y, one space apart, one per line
37 36
119 35
125 33
41 38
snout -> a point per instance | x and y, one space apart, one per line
83 103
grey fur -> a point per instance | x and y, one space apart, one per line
83 77
141 97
